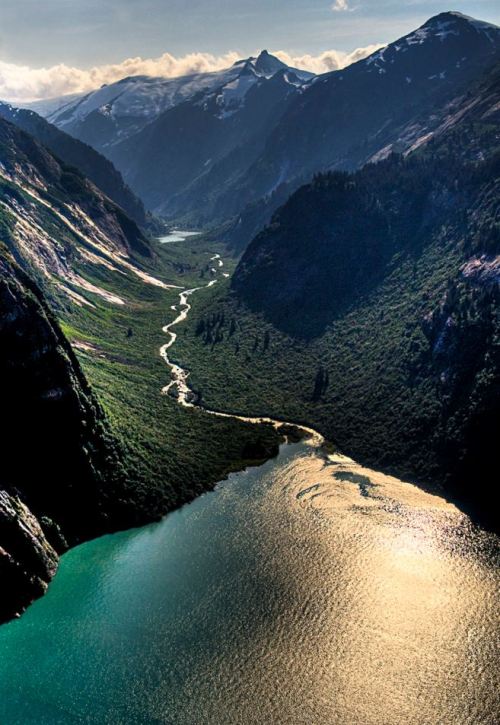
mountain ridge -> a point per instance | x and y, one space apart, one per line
119 110
374 98
64 231
82 156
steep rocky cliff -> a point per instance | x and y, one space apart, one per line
61 472
64 231
27 560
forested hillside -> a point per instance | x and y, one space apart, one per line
369 308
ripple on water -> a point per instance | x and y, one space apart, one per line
256 604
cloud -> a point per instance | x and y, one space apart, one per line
328 60
340 6
21 83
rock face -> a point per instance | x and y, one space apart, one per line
60 466
62 229
27 560
78 154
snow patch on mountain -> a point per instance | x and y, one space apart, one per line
439 28
230 97
131 103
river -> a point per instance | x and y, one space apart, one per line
306 591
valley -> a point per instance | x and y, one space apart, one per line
119 350
250 386
195 650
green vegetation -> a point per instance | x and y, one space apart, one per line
172 454
145 453
353 312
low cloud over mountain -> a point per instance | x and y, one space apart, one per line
21 83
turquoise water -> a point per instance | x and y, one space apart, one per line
291 594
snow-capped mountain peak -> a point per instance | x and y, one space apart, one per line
116 111
449 38
455 17
230 97
455 23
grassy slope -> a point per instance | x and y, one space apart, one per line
174 453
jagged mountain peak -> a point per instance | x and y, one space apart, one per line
231 96
267 64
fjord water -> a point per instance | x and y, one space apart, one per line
304 591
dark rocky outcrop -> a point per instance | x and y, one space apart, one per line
27 560
60 475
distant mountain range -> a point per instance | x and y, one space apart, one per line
170 138
232 145
109 115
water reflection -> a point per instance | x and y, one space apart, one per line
306 591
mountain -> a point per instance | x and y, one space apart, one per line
83 157
117 111
180 161
175 139
369 308
473 104
60 476
381 104
63 230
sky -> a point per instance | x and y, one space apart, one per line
51 47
